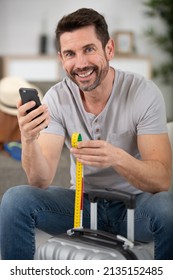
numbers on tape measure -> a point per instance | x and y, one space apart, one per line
76 137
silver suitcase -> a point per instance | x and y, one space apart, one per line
92 244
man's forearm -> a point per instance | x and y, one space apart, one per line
150 176
34 164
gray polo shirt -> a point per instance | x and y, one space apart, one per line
135 107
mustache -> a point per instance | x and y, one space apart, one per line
77 71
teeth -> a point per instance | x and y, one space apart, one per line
86 74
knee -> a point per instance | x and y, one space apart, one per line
163 207
14 198
164 200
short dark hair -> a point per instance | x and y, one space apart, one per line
82 18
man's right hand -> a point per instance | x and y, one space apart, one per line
32 123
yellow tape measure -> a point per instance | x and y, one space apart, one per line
76 137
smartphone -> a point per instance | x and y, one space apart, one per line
29 94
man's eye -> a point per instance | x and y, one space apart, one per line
68 54
89 49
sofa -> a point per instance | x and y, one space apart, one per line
170 132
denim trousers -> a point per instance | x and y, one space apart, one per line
24 208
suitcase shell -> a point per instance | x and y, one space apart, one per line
65 247
92 244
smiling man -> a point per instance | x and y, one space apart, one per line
86 63
121 117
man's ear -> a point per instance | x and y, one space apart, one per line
110 49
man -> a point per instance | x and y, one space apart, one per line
121 117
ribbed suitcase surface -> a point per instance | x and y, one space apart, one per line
90 247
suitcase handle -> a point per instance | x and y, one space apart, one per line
112 195
91 232
105 236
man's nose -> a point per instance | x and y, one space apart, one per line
81 60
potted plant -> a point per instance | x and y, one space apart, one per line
162 9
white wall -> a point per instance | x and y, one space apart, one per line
21 20
21 24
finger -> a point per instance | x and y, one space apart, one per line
90 144
34 119
94 161
33 128
25 107
36 112
86 151
41 120
19 103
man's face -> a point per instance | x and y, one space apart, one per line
83 57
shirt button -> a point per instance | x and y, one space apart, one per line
97 130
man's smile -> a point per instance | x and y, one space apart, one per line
83 72
86 74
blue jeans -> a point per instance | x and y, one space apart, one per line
24 208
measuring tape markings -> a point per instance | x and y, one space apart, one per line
78 211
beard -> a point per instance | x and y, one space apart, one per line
87 85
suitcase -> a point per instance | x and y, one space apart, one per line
92 244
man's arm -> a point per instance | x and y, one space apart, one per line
40 159
152 173
40 152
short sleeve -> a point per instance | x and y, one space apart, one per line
150 112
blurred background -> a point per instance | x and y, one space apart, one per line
27 29
143 34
